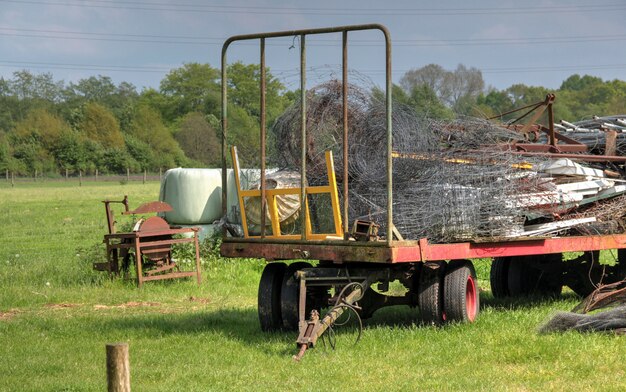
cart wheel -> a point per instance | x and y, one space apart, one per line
521 277
589 273
269 296
499 277
430 292
541 274
617 272
290 295
460 298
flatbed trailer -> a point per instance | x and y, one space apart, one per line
439 278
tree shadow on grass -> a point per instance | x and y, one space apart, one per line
231 323
525 302
242 324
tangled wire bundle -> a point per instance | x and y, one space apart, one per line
446 185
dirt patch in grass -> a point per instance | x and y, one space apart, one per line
4 316
200 300
131 304
61 306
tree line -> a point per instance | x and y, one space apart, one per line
51 126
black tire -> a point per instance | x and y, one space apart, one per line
585 274
269 296
290 296
526 278
460 292
499 277
589 273
550 272
430 292
617 273
521 278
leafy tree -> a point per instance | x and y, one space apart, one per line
458 89
93 89
192 88
69 151
198 139
26 85
118 160
244 132
432 75
141 152
422 99
33 157
148 127
41 126
426 103
244 90
100 125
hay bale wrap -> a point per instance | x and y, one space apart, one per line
196 195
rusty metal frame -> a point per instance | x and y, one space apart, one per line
302 34
118 245
416 251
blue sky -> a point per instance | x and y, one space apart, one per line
536 42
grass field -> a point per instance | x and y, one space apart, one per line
56 315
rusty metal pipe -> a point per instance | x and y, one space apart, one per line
262 141
388 97
303 133
224 131
344 87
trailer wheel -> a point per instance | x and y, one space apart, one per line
460 299
290 295
586 272
499 277
541 274
269 296
430 292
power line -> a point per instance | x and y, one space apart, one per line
83 67
229 9
173 39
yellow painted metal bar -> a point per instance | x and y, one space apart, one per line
396 154
240 196
286 191
319 189
274 219
272 195
314 237
307 217
334 196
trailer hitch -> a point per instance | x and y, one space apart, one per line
313 328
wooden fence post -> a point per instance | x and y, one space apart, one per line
96 175
144 175
80 178
7 174
160 173
127 175
118 367
66 174
35 178
12 179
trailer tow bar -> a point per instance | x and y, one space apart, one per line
313 328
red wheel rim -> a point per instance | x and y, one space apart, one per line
470 298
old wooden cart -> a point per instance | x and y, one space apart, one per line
439 278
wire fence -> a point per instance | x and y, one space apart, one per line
15 179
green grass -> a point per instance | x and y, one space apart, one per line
56 315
